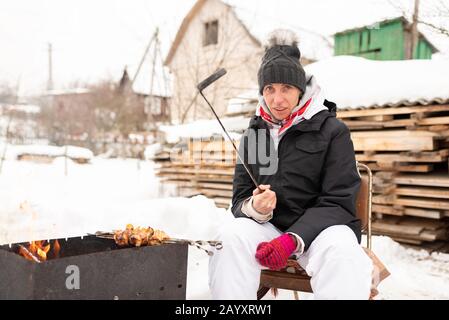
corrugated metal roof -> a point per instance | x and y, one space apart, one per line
401 103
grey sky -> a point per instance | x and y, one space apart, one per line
95 39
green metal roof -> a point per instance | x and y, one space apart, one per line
386 21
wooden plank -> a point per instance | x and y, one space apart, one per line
384 134
220 186
413 167
361 124
384 188
198 178
434 180
390 111
421 203
380 118
230 158
211 145
385 175
382 200
439 127
433 156
397 229
174 177
366 125
384 143
423 213
408 241
422 236
197 164
198 171
387 210
432 236
442 193
433 121
216 193
427 224
402 168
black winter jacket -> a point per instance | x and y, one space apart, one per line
316 181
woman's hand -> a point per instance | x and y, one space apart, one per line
264 202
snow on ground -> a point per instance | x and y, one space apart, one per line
39 202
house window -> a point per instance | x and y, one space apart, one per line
211 33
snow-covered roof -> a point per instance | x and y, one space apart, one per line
53 151
354 82
25 108
205 128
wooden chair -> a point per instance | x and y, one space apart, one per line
293 277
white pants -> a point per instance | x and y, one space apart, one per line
336 263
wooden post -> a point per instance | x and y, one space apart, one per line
65 160
414 31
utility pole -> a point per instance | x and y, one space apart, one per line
16 98
50 68
153 71
165 84
144 57
414 32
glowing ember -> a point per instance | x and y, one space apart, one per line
37 250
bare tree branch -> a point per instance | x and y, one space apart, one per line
436 28
398 7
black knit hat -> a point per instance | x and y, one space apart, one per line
280 64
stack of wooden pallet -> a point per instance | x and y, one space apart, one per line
407 148
205 167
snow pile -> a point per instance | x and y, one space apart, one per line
205 128
354 82
73 152
151 150
40 202
414 274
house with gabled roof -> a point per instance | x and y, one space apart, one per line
215 35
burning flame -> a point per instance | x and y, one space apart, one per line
37 250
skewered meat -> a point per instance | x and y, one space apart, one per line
158 237
121 238
139 236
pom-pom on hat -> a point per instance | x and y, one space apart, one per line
280 63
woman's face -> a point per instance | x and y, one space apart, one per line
281 99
